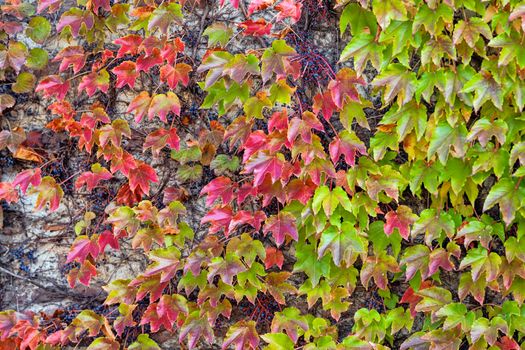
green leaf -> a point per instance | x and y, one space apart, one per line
38 29
37 58
309 263
445 137
144 342
360 20
25 82
218 33
278 341
344 244
508 195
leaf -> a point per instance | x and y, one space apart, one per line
24 83
398 82
161 137
129 44
482 327
95 81
165 313
507 194
194 328
277 59
479 260
401 219
388 10
243 335
220 187
408 117
416 258
291 321
444 138
281 225
263 163
454 313
363 48
141 176
226 268
92 178
172 75
166 263
163 15
476 230
53 85
347 144
484 129
37 58
144 342
76 19
433 299
289 9
126 74
8 192
12 139
103 343
310 264
377 267
6 101
278 341
329 200
28 177
470 30
273 257
48 192
82 247
344 244
162 104
218 33
38 29
433 19
256 28
485 88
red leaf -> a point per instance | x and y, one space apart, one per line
8 192
256 28
400 219
107 238
247 217
123 163
346 144
129 44
139 106
299 190
82 274
75 20
53 5
289 8
162 104
263 163
219 218
165 312
173 75
410 297
97 4
27 177
256 141
146 62
81 248
170 50
344 86
158 139
258 5
93 177
126 74
273 257
281 225
95 81
53 85
48 191
141 176
507 343
220 187
71 56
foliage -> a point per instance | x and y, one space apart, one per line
309 196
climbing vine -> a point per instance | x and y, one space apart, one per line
394 170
